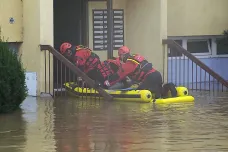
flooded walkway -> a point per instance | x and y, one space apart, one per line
68 125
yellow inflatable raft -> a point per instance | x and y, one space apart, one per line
130 95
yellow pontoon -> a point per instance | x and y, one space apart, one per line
131 95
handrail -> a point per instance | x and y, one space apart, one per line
77 71
180 49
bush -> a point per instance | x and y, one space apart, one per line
13 89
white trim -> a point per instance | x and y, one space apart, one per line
200 40
200 57
184 44
185 58
213 47
221 56
194 37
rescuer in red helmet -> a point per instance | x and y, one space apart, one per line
83 58
139 70
69 50
90 63
110 67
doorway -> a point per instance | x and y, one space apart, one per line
70 25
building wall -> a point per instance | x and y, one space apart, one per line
38 29
145 27
197 17
197 20
37 25
11 9
33 25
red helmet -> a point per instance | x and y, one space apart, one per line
64 47
123 50
81 56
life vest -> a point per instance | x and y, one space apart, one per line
92 62
86 60
143 68
108 67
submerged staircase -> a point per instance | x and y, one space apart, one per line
187 70
182 69
65 72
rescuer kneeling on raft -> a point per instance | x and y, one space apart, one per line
69 51
90 63
139 70
114 65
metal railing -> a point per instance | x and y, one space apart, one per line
187 70
65 72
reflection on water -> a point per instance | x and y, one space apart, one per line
12 132
67 125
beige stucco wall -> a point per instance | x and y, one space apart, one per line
145 26
38 29
33 26
197 17
8 9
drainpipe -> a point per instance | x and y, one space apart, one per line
110 29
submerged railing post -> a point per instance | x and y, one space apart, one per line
110 29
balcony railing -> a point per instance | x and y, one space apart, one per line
187 70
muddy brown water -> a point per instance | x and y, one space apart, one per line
70 125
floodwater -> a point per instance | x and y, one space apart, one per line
68 125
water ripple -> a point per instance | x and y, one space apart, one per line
67 125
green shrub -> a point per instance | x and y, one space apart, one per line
13 88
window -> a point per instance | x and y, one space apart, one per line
14 46
222 46
199 47
172 52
